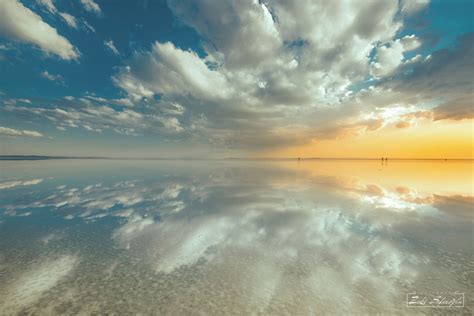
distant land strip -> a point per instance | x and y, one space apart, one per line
35 157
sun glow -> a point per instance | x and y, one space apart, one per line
440 139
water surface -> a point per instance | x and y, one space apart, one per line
233 237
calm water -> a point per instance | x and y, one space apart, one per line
333 237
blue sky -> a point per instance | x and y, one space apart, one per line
220 78
131 25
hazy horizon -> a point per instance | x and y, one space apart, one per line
241 157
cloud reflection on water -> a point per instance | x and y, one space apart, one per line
268 238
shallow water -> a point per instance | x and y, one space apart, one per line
234 237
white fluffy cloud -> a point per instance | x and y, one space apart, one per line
410 42
300 53
91 6
52 77
272 72
6 131
391 55
388 59
243 32
69 19
21 24
170 70
49 5
304 53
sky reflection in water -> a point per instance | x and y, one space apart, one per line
233 237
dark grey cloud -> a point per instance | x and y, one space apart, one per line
459 205
444 77
446 71
456 109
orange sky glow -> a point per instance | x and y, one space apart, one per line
439 139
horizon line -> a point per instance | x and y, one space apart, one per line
47 157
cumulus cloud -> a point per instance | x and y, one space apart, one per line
244 33
391 55
305 53
111 46
274 72
171 123
51 77
6 131
19 23
410 42
70 20
49 5
388 59
170 70
279 73
91 6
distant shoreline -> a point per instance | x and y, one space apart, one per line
39 157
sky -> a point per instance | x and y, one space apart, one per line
246 78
